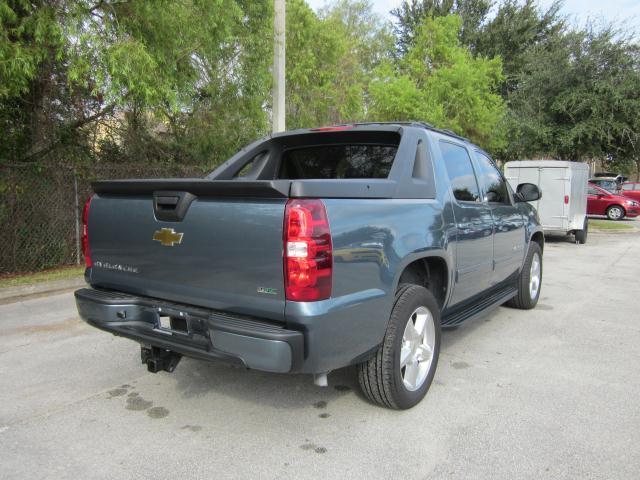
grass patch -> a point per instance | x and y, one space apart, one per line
62 273
609 225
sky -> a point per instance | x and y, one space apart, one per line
579 11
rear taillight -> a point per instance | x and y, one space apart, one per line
85 233
308 259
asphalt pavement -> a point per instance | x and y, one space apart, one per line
548 393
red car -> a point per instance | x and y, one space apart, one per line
615 207
631 190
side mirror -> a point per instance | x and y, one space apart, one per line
528 192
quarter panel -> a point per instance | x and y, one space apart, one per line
372 241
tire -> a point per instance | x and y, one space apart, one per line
526 299
581 235
382 378
615 212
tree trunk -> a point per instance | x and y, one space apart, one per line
38 121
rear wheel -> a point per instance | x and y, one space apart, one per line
615 212
581 235
530 280
400 373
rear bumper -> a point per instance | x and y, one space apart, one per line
199 333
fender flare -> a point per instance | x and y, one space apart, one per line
445 256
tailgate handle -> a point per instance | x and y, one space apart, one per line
167 203
171 206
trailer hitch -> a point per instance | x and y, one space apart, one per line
158 359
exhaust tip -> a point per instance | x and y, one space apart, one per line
320 380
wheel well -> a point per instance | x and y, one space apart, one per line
538 237
429 272
616 205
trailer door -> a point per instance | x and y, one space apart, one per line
552 207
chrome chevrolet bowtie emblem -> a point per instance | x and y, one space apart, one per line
168 237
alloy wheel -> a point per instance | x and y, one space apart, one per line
418 343
534 276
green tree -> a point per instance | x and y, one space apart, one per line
441 82
578 98
369 37
313 55
411 14
29 36
229 106
517 28
66 65
330 60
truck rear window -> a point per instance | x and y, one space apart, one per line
337 161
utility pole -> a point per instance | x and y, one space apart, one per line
278 67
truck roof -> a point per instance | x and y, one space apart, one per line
387 126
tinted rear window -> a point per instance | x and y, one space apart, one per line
338 161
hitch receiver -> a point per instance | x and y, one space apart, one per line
158 359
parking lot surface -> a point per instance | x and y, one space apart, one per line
547 393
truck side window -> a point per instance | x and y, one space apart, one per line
492 182
463 179
251 166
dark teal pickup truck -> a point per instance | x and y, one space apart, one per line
312 250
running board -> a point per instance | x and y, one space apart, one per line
478 308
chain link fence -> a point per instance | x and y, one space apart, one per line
41 210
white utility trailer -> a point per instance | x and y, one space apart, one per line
563 205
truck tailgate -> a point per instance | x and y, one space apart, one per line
225 253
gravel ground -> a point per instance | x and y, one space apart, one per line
547 393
